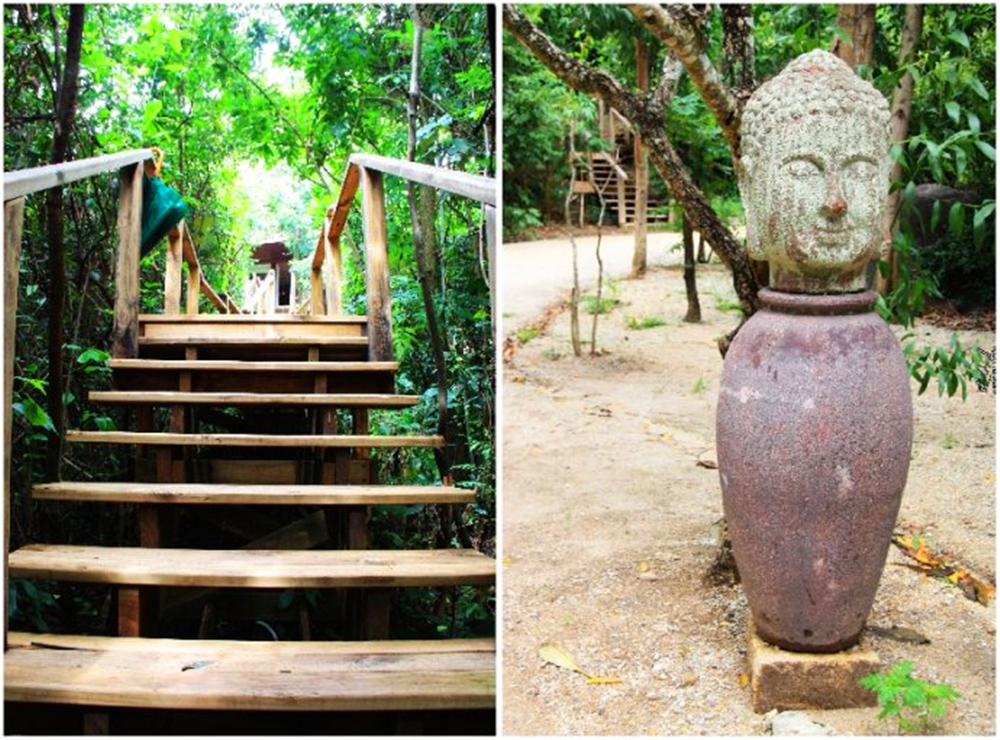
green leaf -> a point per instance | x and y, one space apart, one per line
954 110
961 160
988 151
973 120
909 194
35 415
979 222
956 219
935 215
93 355
961 39
149 114
979 89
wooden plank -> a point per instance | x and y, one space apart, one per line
143 566
172 276
126 326
334 272
249 494
252 440
477 187
316 294
180 332
233 675
369 400
35 179
376 267
251 366
13 224
237 318
248 341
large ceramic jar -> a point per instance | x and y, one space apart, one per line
814 429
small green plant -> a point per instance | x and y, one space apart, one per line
953 367
699 386
724 304
591 306
649 322
552 354
915 704
526 334
948 442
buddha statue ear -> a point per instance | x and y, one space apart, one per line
744 179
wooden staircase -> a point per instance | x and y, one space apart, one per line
293 481
613 173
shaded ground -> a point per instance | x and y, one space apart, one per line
609 527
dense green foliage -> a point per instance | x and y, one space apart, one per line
951 133
257 109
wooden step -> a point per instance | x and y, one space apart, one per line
205 330
237 318
234 376
154 398
224 493
232 675
252 440
146 566
208 340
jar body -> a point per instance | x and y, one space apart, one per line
814 430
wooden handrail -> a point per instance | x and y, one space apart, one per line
34 179
366 170
476 187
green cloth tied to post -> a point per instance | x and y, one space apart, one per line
162 208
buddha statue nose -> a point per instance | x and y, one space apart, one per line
834 206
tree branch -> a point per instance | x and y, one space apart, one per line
642 114
738 63
669 77
687 44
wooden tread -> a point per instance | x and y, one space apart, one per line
252 440
252 341
217 493
253 367
235 318
233 675
369 400
148 566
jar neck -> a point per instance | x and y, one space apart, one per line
809 304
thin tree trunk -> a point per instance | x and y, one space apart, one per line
858 24
693 315
574 298
902 100
65 116
641 170
424 275
703 257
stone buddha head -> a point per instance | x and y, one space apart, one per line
815 174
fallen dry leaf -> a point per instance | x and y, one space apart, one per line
946 568
507 560
643 566
743 679
559 656
710 464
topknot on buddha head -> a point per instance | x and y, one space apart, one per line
814 84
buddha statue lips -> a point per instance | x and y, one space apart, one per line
814 196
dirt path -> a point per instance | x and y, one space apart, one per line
608 531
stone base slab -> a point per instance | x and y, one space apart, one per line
782 679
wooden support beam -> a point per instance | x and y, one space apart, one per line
194 289
13 223
376 267
172 276
126 328
334 300
316 293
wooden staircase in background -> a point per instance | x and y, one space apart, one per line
234 509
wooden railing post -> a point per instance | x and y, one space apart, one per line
334 299
126 329
13 221
376 267
491 259
194 289
172 277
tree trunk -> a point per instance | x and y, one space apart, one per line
858 23
641 170
703 256
427 215
693 315
65 116
424 273
739 58
902 99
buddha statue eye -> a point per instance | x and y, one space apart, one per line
801 168
861 168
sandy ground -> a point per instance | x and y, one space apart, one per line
608 524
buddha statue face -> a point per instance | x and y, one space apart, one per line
814 175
